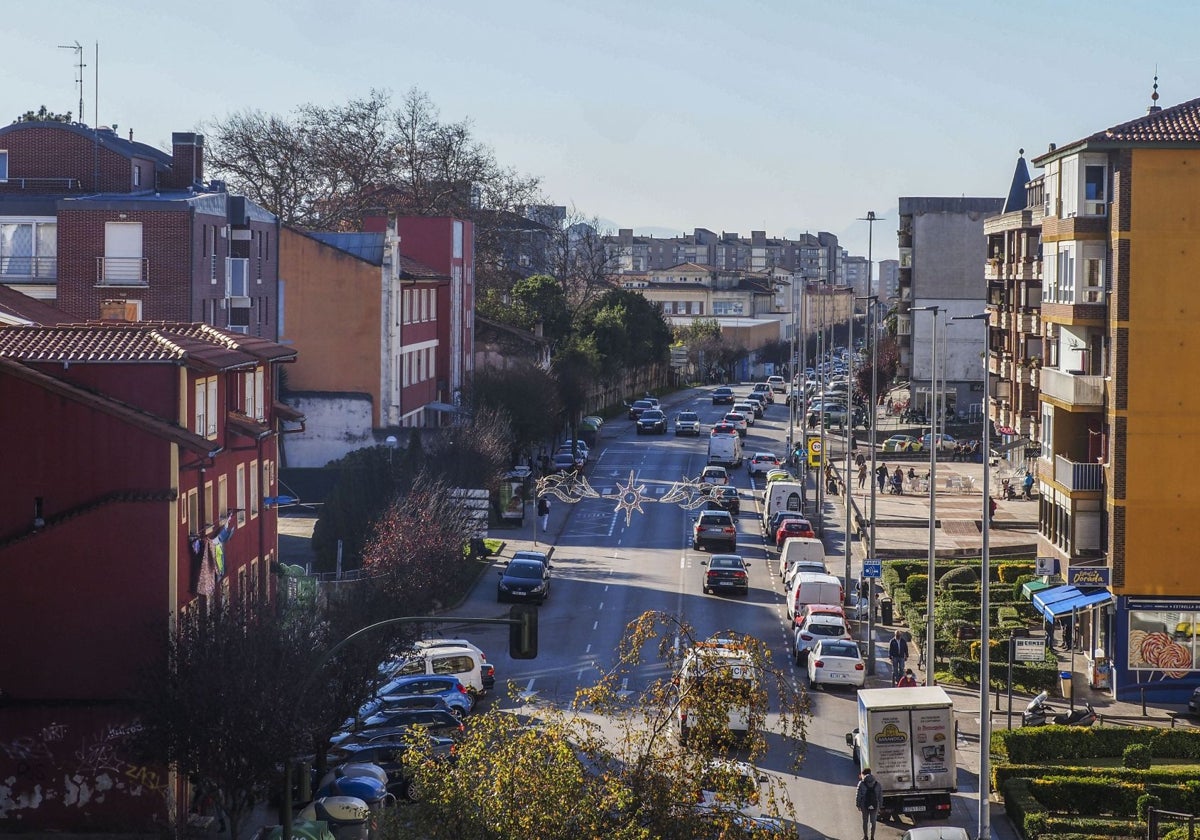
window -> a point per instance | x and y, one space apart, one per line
1093 280
253 489
201 406
3 166
211 399
202 527
123 264
1095 193
406 306
433 304
222 498
240 491
193 511
137 175
252 394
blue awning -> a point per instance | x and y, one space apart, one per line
1060 600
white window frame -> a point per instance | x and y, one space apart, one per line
222 499
253 489
239 492
406 306
211 401
200 406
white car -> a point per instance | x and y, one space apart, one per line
816 628
836 662
737 420
777 384
746 410
763 462
717 476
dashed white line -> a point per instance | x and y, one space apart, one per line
595 624
587 649
601 606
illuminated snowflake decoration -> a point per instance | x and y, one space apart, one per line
688 493
566 487
629 497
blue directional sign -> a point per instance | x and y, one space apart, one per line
872 568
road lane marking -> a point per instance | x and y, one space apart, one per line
601 606
595 624
587 649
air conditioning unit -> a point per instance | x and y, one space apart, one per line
237 277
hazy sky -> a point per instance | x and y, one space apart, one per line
759 114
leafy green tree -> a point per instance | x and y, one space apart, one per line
560 776
43 114
541 298
575 367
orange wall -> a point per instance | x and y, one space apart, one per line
1163 441
331 304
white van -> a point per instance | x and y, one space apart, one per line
782 495
812 588
725 450
466 663
801 549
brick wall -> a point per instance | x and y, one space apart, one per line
49 151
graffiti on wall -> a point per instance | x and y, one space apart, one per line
53 774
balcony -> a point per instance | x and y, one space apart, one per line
122 271
1074 475
1027 322
1073 389
28 269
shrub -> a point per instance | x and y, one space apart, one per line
1033 745
959 574
1076 795
1026 813
1009 572
1170 775
1145 802
916 587
1081 828
1136 757
1019 582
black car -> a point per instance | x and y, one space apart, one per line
433 721
565 462
635 410
652 422
726 573
524 580
389 755
722 395
725 498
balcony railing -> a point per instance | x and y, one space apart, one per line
41 183
18 269
1074 475
122 271
1072 388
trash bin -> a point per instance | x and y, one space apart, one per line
346 816
885 611
1064 677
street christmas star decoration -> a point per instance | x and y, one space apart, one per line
568 487
629 497
688 493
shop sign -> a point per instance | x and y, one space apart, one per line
1088 576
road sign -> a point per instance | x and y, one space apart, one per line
814 451
1029 650
872 568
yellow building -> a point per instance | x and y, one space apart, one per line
1120 416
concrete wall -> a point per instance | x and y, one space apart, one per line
335 425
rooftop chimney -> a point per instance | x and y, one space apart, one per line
187 159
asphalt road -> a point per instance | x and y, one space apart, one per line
608 571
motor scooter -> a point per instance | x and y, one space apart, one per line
1040 713
1007 490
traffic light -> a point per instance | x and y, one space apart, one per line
523 632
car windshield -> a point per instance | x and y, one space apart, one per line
524 569
726 491
642 404
846 649
689 415
652 414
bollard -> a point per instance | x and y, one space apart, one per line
1144 702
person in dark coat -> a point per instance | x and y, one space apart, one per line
868 798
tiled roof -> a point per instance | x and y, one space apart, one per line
1177 125
104 341
18 307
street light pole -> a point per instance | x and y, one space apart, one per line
985 574
847 486
872 420
933 448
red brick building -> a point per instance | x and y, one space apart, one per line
109 228
140 457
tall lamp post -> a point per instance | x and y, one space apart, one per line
932 500
872 420
985 573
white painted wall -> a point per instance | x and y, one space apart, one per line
335 425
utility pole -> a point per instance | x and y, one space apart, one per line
929 589
872 419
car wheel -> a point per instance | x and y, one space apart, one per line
412 790
695 546
458 711
704 589
812 682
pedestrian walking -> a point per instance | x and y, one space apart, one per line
862 475
1028 485
1066 634
544 513
868 798
898 654
1050 633
861 460
991 508
909 680
881 475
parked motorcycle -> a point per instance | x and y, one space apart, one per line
1040 713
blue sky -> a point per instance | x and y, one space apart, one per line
753 114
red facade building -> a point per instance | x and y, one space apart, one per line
139 463
109 228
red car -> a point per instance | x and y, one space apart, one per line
793 528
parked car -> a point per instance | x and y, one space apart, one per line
725 498
389 756
803 611
448 688
746 409
946 443
566 462
433 721
578 458
714 475
726 573
763 462
687 423
902 443
444 656
777 384
815 627
580 446
793 527
858 608
638 406
524 580
714 526
836 662
722 396
652 422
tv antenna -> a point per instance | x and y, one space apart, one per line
77 48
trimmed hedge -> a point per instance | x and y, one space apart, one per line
1023 808
1136 757
1002 773
1063 828
1009 572
1086 796
1035 744
1027 678
917 587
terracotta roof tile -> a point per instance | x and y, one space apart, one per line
1177 124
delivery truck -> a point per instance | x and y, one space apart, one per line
906 736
